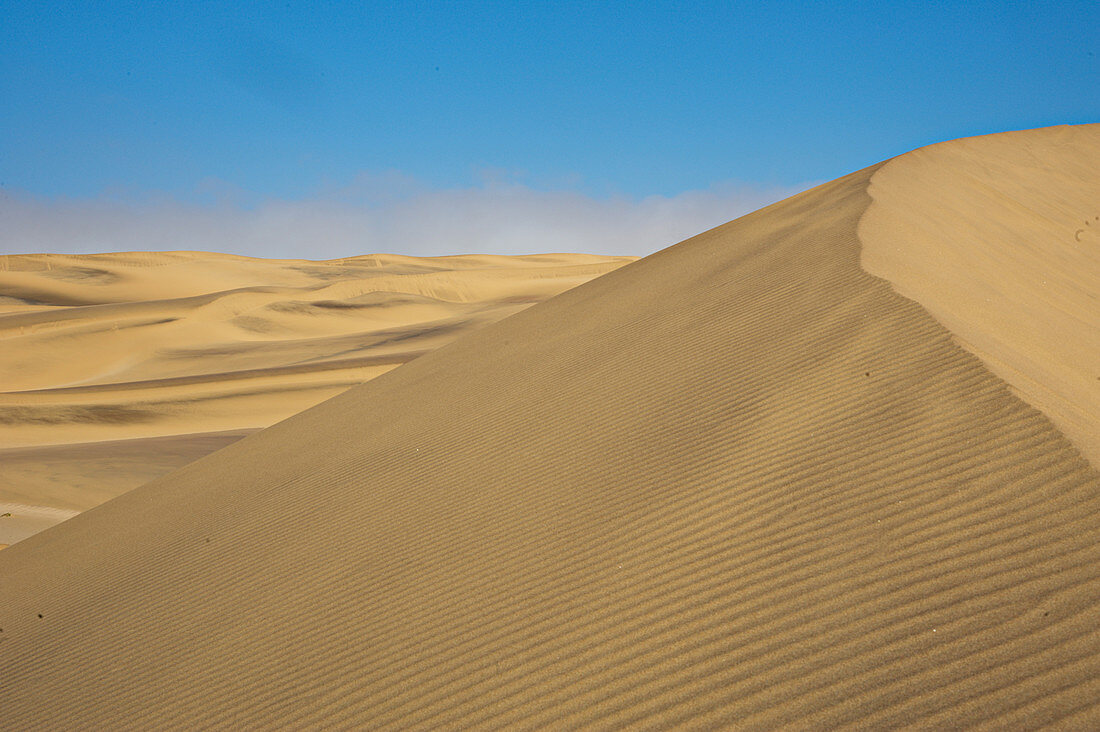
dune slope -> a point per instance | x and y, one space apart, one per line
116 369
739 482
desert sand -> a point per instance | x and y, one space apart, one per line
1017 285
743 482
119 368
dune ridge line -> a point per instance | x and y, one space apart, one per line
1017 285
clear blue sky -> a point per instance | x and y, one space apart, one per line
642 98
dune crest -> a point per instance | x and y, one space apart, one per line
738 483
998 237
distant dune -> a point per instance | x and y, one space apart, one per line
740 483
119 368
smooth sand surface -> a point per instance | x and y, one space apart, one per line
119 368
18 521
739 483
77 476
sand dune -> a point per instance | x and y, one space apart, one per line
739 483
119 368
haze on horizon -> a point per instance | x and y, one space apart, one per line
325 131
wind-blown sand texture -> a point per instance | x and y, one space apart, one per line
119 368
741 482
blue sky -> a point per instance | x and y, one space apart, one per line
118 111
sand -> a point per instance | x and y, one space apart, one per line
18 520
119 368
1016 284
739 483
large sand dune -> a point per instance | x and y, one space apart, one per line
116 369
741 482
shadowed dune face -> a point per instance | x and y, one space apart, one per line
740 482
118 368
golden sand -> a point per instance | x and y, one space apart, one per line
999 239
119 368
739 483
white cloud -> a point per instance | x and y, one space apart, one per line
377 213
